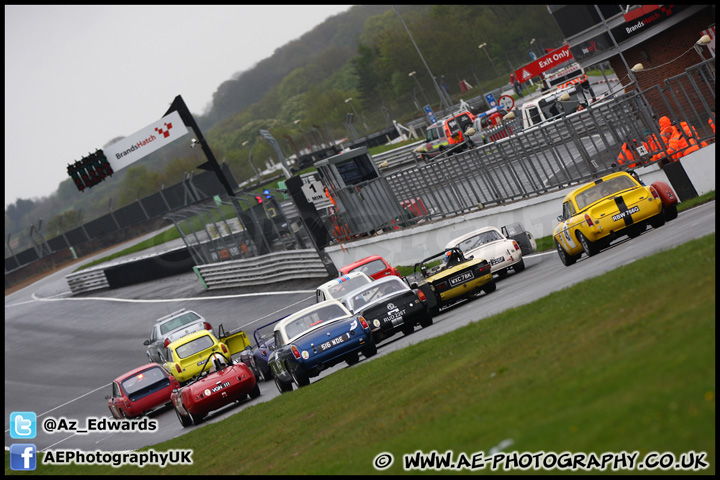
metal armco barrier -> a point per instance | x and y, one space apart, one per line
87 280
272 268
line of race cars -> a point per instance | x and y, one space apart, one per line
194 371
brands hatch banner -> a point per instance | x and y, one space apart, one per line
543 64
637 21
156 135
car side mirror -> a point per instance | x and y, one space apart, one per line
107 397
560 218
146 342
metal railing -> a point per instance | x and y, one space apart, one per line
272 268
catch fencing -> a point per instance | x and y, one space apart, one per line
193 189
238 228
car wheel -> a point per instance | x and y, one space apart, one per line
301 379
426 321
197 419
282 386
520 266
267 374
671 212
369 350
408 328
352 359
255 392
490 286
636 230
658 220
589 247
565 257
184 421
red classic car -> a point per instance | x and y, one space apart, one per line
219 383
140 390
374 265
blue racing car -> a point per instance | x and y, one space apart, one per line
316 338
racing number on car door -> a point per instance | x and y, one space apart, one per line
566 237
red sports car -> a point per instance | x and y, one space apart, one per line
140 391
220 383
374 265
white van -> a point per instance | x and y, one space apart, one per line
571 75
551 105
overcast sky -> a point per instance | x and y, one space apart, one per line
79 76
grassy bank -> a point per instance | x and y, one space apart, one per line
621 362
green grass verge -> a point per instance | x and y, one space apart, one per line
621 362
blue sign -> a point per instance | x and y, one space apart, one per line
491 100
430 114
532 55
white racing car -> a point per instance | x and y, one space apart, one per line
502 249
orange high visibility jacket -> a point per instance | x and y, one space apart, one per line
676 144
627 154
655 145
692 135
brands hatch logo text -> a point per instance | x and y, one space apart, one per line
165 132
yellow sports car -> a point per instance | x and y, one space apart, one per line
187 355
601 211
449 276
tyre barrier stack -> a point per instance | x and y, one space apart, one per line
272 268
87 280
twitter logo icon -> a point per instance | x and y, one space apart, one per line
23 425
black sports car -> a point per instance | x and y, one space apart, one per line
389 306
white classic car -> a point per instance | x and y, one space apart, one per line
502 249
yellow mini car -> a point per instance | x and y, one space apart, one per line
187 355
605 209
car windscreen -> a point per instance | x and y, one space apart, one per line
194 346
602 190
264 335
145 382
479 240
315 317
177 322
374 292
433 134
430 266
371 267
339 289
